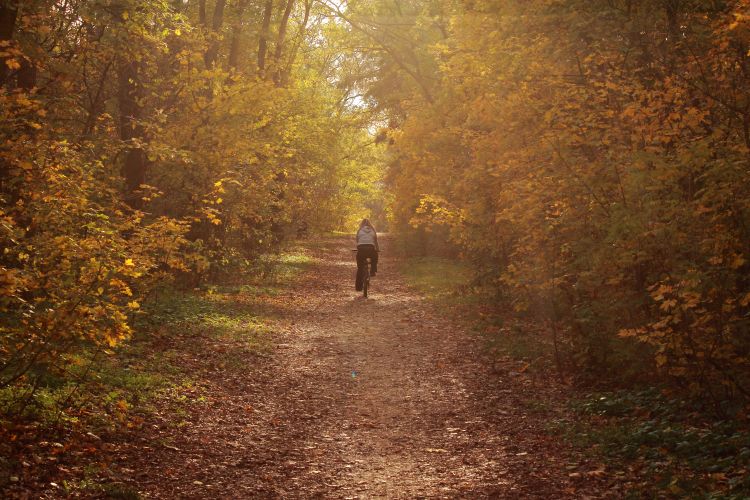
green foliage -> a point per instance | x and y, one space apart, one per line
666 437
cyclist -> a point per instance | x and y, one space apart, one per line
367 248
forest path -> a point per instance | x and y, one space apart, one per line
360 398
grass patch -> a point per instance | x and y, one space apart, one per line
278 269
437 278
232 311
95 389
516 339
450 283
119 492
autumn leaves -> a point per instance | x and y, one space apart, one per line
591 159
157 143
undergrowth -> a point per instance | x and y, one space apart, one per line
449 283
97 391
438 278
667 445
667 442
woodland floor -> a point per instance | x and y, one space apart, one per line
385 397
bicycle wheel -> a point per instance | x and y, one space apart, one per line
366 284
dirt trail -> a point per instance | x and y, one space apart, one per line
376 398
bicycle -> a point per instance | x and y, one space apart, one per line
366 277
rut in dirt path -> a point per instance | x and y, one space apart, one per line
381 397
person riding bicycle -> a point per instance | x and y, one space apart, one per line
367 248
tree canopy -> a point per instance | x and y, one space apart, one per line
591 160
160 140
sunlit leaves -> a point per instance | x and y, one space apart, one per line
230 164
597 173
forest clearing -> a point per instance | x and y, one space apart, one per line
562 192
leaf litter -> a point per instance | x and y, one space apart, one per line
358 398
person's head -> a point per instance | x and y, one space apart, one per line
365 222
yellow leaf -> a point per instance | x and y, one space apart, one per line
668 304
134 305
629 332
129 262
12 64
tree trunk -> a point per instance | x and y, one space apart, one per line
234 47
286 71
96 101
277 67
216 22
202 13
26 79
8 16
263 42
129 93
